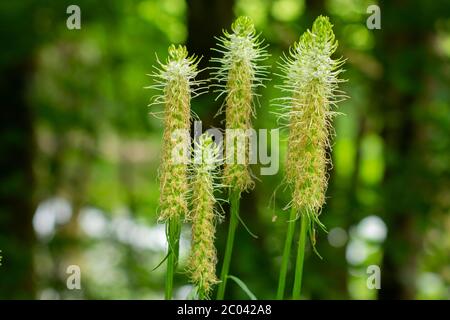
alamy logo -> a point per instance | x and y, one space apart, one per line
374 278
374 20
74 20
74 279
236 147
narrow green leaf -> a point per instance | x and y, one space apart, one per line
246 228
243 287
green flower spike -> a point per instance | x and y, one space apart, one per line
176 80
237 77
203 258
311 85
311 80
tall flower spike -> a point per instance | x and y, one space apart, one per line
203 258
176 80
237 76
311 80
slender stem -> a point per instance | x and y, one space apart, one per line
173 239
286 253
234 202
300 257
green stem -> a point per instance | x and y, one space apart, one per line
234 202
173 239
300 257
286 253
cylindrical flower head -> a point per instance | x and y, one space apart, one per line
176 80
203 258
311 78
238 76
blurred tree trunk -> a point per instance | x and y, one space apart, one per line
403 50
314 8
206 20
16 206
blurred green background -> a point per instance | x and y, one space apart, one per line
80 152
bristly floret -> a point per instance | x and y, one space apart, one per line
179 66
311 84
237 76
242 46
310 60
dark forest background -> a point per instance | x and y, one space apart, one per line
79 151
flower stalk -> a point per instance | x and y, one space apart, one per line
237 77
311 81
176 80
286 253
